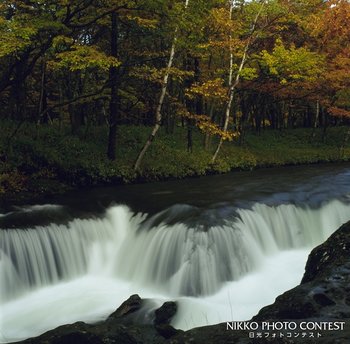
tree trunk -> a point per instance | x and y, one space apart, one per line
192 105
207 138
158 115
18 92
42 106
114 101
317 116
325 123
234 84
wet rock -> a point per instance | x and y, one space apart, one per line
323 300
77 338
163 316
329 256
132 304
166 330
165 313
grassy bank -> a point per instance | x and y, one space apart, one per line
49 158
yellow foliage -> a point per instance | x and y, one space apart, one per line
205 124
211 89
80 57
144 22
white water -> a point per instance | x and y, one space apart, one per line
83 271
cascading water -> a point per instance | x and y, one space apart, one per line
191 263
36 257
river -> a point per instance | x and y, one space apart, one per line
222 246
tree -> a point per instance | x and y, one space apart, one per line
233 84
158 114
113 79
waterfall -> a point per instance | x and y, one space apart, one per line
208 261
193 261
175 259
35 257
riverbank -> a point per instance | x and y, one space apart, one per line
50 160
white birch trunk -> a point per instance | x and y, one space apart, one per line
231 48
158 114
232 86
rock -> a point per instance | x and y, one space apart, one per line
77 333
132 304
167 331
163 316
333 254
325 287
165 313
77 338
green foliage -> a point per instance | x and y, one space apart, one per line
15 37
292 64
55 68
48 153
249 73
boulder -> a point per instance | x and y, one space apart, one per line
165 313
131 305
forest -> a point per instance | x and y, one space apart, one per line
100 91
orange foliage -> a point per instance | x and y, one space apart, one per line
337 112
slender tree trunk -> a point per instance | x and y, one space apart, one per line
192 105
228 108
231 48
18 92
41 104
317 116
158 114
237 78
317 113
207 138
113 105
79 109
325 123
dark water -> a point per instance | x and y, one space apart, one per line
312 184
206 199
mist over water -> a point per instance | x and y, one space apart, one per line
221 262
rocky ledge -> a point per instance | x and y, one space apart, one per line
323 296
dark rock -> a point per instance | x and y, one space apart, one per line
163 316
132 304
166 331
165 313
323 300
77 338
331 255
